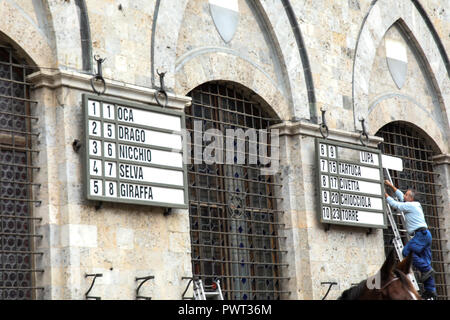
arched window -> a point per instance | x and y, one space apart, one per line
233 208
408 143
16 221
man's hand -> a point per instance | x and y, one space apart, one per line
389 184
386 195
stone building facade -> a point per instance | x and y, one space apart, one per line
288 60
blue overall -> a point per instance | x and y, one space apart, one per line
420 246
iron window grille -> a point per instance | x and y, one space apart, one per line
234 219
407 143
17 268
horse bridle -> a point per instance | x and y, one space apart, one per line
388 283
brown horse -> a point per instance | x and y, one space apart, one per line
390 283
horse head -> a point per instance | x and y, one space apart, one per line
390 283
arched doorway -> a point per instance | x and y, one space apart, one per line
416 150
234 218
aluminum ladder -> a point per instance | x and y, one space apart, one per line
397 241
213 292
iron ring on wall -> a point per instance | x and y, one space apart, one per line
364 141
323 128
103 85
166 98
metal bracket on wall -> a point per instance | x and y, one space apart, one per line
76 145
167 212
145 279
363 137
329 288
323 128
187 287
98 205
95 275
99 76
162 90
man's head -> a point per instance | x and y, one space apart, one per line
410 195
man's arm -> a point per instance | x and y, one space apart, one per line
399 205
399 195
402 206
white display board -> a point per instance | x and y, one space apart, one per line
134 153
350 184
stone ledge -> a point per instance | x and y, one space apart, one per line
312 130
442 159
117 89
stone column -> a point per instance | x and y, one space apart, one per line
442 167
294 219
51 194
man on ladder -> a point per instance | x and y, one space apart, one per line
420 244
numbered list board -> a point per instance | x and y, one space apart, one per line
351 186
134 153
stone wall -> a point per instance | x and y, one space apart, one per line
339 45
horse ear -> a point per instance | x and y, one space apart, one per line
405 265
388 266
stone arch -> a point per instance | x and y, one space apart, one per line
85 35
66 18
382 113
169 16
382 15
26 36
203 68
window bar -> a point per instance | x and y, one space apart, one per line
222 198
